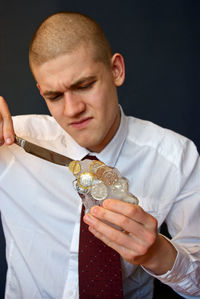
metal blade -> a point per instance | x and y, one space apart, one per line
42 152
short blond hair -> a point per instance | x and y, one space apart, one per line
64 32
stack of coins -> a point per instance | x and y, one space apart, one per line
107 175
98 181
95 164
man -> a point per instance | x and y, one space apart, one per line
77 75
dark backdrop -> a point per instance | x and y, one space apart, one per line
160 43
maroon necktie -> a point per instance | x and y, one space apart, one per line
99 266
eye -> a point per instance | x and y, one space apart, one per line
86 85
54 98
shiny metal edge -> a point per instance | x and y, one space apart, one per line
42 152
19 141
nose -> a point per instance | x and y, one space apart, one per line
74 104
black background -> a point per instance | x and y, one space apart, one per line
160 41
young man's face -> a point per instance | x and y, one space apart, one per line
81 95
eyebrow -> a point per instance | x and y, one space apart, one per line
75 84
49 93
83 80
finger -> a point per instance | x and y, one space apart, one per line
1 131
132 211
126 253
138 231
110 235
7 133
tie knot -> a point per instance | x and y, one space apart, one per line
90 157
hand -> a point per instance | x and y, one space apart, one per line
7 134
138 242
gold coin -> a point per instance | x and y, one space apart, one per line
85 180
75 167
95 165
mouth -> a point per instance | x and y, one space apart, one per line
82 123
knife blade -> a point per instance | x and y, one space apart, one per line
42 152
90 198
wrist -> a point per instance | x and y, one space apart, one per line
161 256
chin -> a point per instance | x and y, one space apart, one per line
87 142
91 146
82 143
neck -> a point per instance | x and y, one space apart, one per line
109 136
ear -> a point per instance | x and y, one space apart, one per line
118 69
38 86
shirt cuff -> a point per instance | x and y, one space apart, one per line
168 274
180 277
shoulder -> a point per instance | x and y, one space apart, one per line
35 126
166 143
42 130
39 128
45 131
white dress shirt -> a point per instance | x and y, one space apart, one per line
41 210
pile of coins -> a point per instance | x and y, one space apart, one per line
96 181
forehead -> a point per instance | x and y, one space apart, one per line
68 67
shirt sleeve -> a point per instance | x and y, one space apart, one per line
183 277
183 223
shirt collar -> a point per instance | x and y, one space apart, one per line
73 149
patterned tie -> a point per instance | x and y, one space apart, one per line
99 266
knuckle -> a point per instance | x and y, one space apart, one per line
97 226
3 104
143 249
132 211
117 238
7 116
154 222
7 121
129 256
152 238
103 212
124 221
1 98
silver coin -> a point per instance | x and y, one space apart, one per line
99 191
79 189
